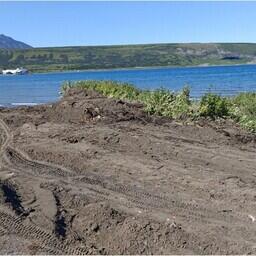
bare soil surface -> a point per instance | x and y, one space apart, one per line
91 175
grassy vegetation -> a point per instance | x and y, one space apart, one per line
126 56
243 109
212 105
163 102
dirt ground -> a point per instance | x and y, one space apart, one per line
91 175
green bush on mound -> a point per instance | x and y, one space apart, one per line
163 102
166 103
243 109
212 105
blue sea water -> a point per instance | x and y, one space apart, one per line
43 88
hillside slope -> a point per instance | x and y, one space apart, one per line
126 56
9 43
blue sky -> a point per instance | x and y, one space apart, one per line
106 23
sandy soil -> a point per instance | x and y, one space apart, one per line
91 175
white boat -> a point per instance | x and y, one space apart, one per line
17 71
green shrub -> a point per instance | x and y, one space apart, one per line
248 122
166 103
212 105
158 102
246 102
243 110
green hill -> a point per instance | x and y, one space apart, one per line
127 56
7 42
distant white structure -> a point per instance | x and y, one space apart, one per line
17 71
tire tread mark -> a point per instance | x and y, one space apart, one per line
29 231
41 169
144 198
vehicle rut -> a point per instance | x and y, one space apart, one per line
29 231
5 136
48 242
144 199
19 161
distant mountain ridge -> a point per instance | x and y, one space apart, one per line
7 42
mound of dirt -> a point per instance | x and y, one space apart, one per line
81 106
93 175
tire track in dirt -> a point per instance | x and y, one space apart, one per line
147 200
3 232
6 136
18 158
102 187
48 242
2 138
135 195
19 161
32 232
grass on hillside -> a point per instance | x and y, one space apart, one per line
164 102
126 56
